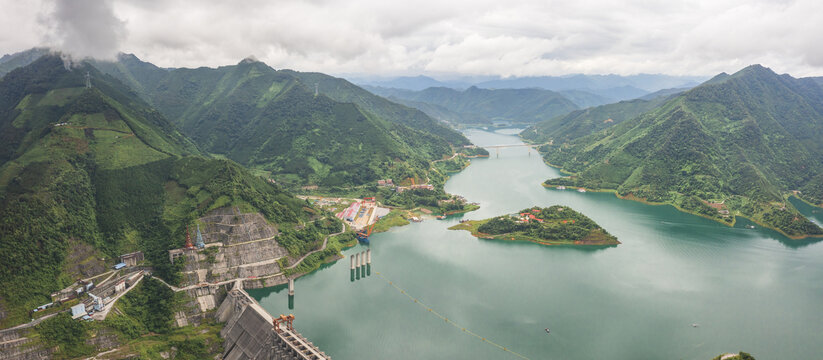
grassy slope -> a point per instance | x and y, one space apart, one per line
743 140
117 178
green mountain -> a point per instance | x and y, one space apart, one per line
344 91
584 99
10 62
736 145
584 122
272 121
443 114
514 105
87 174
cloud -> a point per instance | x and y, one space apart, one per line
472 37
83 28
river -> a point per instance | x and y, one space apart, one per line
747 289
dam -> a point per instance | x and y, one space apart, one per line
250 332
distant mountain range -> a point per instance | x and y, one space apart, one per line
736 145
583 90
483 106
10 62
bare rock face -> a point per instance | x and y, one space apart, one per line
228 226
238 245
83 260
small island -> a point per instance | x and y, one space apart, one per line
556 225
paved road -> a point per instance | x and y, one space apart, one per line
31 323
325 241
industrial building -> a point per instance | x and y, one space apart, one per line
132 259
78 311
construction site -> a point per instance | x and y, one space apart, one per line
229 245
360 214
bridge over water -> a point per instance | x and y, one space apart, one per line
503 146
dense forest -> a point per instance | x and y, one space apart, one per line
736 145
92 173
274 121
552 225
584 122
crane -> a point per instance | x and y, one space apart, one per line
363 235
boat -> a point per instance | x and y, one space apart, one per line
561 187
581 190
695 325
441 217
547 331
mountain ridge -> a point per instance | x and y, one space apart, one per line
739 143
512 105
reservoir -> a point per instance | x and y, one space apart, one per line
745 289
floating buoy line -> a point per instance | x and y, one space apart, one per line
463 329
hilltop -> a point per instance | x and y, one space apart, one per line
273 121
736 145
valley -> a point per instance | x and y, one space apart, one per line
232 183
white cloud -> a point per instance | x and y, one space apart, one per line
532 37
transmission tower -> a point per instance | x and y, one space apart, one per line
88 80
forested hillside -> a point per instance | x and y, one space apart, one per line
515 105
273 121
736 145
584 122
343 91
87 174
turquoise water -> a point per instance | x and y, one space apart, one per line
748 289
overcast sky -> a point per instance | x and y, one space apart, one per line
439 37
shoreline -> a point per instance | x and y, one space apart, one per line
399 213
734 219
471 228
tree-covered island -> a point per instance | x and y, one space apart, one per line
556 225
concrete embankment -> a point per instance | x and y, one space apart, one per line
250 333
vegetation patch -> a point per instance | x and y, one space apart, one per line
556 225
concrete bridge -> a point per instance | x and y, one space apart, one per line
515 145
249 332
503 146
